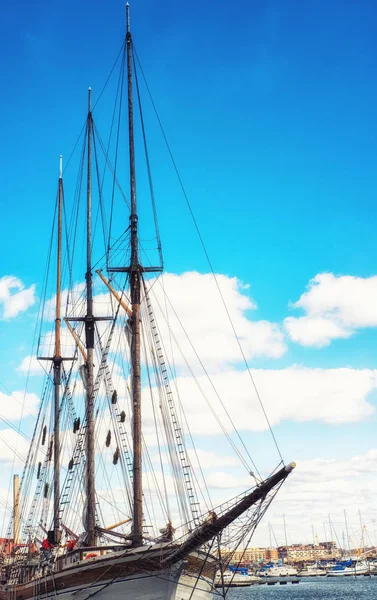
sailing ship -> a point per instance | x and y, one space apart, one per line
55 556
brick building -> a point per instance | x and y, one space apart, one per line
308 552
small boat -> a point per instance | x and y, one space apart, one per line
279 571
312 571
350 568
235 578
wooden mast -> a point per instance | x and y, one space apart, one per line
135 270
89 336
57 362
135 273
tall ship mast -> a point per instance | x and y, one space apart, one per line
135 285
112 505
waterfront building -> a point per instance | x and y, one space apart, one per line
296 553
272 554
249 555
308 552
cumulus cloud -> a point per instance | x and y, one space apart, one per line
14 297
30 365
296 393
190 314
318 490
13 448
17 405
315 331
335 306
318 487
211 460
199 311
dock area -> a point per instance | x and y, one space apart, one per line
278 580
261 581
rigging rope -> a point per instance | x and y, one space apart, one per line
151 189
120 88
216 392
209 261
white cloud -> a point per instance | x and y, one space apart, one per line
18 404
296 393
211 460
13 448
68 299
203 458
314 331
335 306
318 487
224 481
30 366
14 302
200 309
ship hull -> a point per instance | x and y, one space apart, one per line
134 577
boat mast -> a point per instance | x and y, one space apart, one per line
16 510
135 274
57 362
348 538
89 335
285 532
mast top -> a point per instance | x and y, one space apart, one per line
128 17
61 167
89 99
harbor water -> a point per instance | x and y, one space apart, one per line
319 588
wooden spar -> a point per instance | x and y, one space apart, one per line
89 335
114 293
117 524
77 340
70 532
135 274
16 510
204 533
57 362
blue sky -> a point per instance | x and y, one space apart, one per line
269 108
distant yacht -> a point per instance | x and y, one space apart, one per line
312 571
279 571
350 567
238 578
